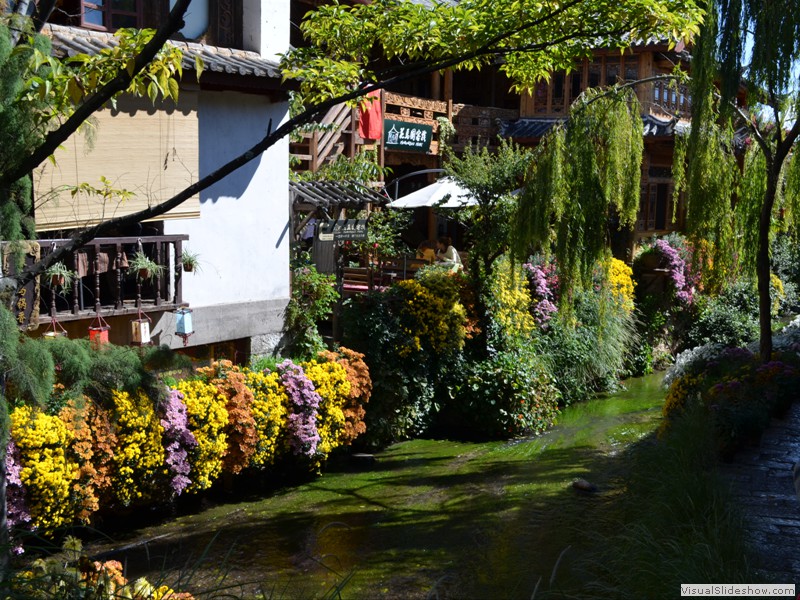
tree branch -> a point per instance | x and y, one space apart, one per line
420 68
119 84
44 8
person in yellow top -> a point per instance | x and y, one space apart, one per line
446 255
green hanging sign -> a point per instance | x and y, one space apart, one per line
410 137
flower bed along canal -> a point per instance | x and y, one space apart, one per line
467 519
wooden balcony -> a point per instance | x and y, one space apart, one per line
473 124
670 100
106 286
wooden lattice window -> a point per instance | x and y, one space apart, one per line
111 14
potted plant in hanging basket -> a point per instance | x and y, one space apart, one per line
58 274
145 267
190 261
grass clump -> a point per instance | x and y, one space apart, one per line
674 524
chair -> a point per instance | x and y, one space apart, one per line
356 280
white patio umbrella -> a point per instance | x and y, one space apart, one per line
431 195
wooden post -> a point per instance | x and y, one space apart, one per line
158 273
178 273
96 278
118 267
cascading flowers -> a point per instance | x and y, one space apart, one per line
241 429
47 472
360 390
139 457
511 299
178 440
330 382
303 409
205 408
18 514
269 413
93 450
619 278
541 280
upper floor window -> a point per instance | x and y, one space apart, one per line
111 14
563 89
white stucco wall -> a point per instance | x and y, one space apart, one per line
242 234
265 27
196 18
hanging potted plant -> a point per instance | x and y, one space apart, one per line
145 267
58 274
190 261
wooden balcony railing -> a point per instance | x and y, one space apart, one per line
473 124
105 285
479 124
672 100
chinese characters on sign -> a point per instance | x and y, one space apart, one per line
399 135
26 299
343 229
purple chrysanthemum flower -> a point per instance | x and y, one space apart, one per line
303 404
18 513
178 440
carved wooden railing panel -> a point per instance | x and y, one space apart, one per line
474 124
106 285
479 124
671 100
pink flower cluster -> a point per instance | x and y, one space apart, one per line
677 271
543 283
18 512
178 440
303 404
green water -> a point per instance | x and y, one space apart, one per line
431 517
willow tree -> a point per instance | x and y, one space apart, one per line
750 49
586 171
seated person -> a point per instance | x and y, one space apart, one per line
446 255
427 250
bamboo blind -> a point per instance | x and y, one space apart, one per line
150 151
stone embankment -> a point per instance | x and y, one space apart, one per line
763 485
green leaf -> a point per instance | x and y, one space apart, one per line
174 89
152 92
199 66
74 91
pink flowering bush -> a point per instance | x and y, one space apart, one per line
677 270
302 432
178 440
19 516
543 283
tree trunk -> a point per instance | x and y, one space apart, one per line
763 266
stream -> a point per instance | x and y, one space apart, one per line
430 518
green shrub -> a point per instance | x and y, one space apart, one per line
587 354
508 394
403 392
313 297
730 319
785 258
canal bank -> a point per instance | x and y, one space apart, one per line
462 519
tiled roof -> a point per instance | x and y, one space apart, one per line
527 128
69 41
536 128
